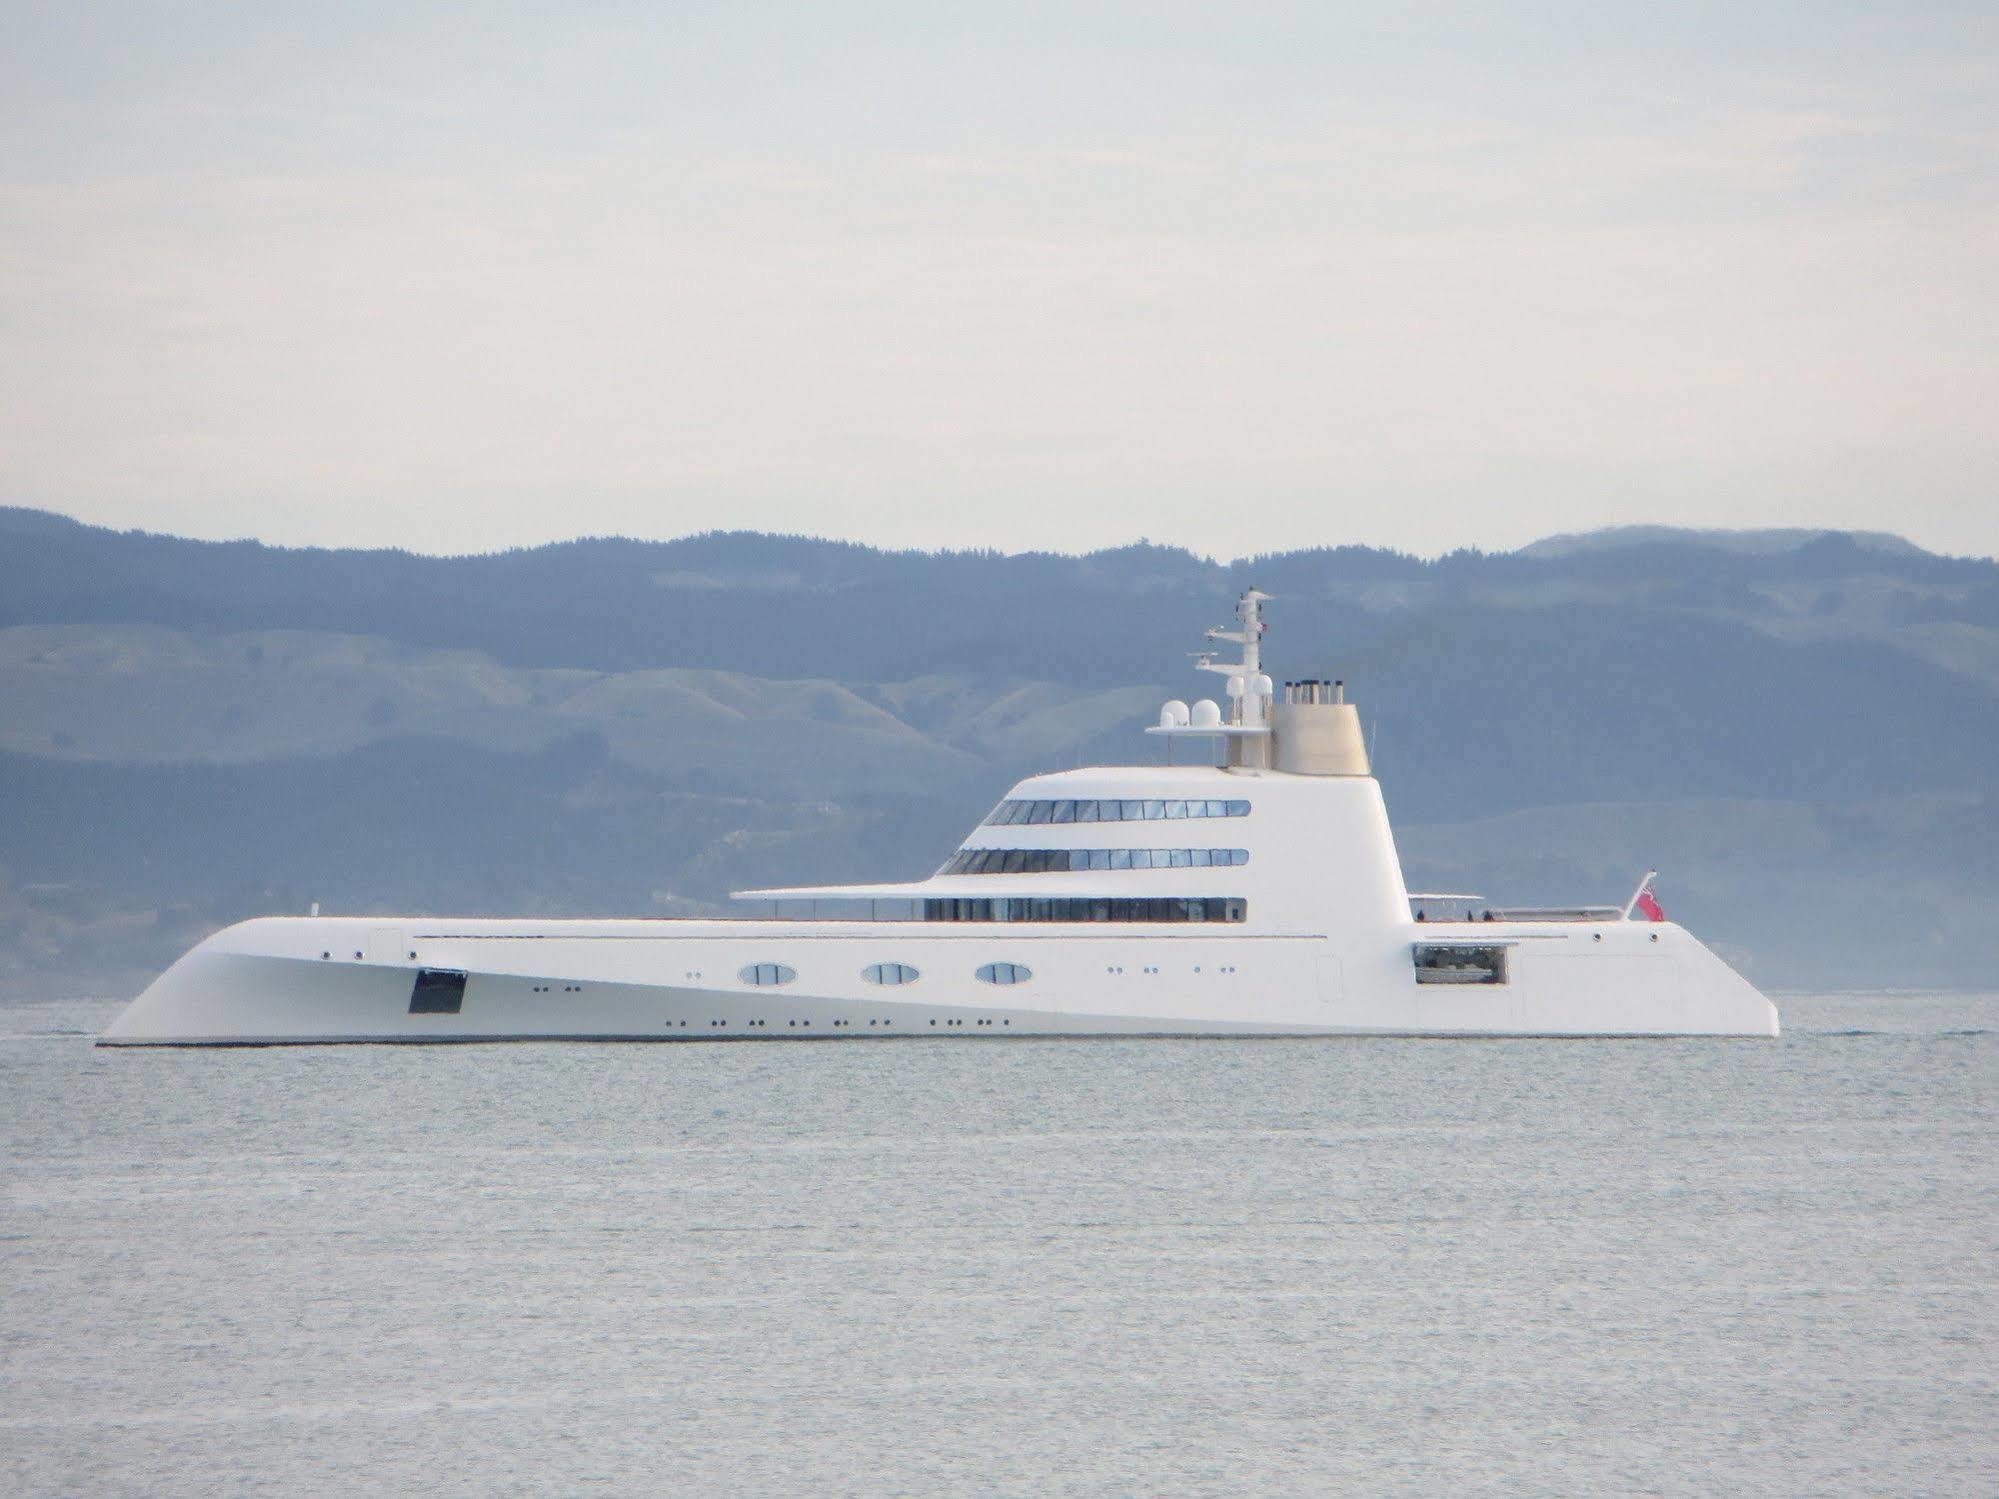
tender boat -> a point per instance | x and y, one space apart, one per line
1257 896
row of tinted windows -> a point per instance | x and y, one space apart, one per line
1090 908
1070 860
1012 813
768 975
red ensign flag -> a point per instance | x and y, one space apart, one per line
1648 906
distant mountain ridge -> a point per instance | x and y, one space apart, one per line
1764 542
193 730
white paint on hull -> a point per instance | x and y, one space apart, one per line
263 982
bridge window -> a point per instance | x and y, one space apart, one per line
889 973
766 975
1079 860
1016 811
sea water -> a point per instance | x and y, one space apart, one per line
1024 1267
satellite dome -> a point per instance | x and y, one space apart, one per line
1207 714
1173 714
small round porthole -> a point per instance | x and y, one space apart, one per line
889 973
766 975
1005 973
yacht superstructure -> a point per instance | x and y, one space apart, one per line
1258 896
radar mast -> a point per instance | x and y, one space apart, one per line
1246 727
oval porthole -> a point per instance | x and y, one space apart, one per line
1005 973
889 973
765 975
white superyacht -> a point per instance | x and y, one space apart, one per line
1261 896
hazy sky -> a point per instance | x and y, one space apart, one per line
1234 276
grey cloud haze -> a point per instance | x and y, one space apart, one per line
1017 277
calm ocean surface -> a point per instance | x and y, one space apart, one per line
1165 1267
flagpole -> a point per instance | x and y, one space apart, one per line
1643 885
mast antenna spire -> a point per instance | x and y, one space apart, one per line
1247 725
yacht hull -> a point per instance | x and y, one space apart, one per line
301 981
